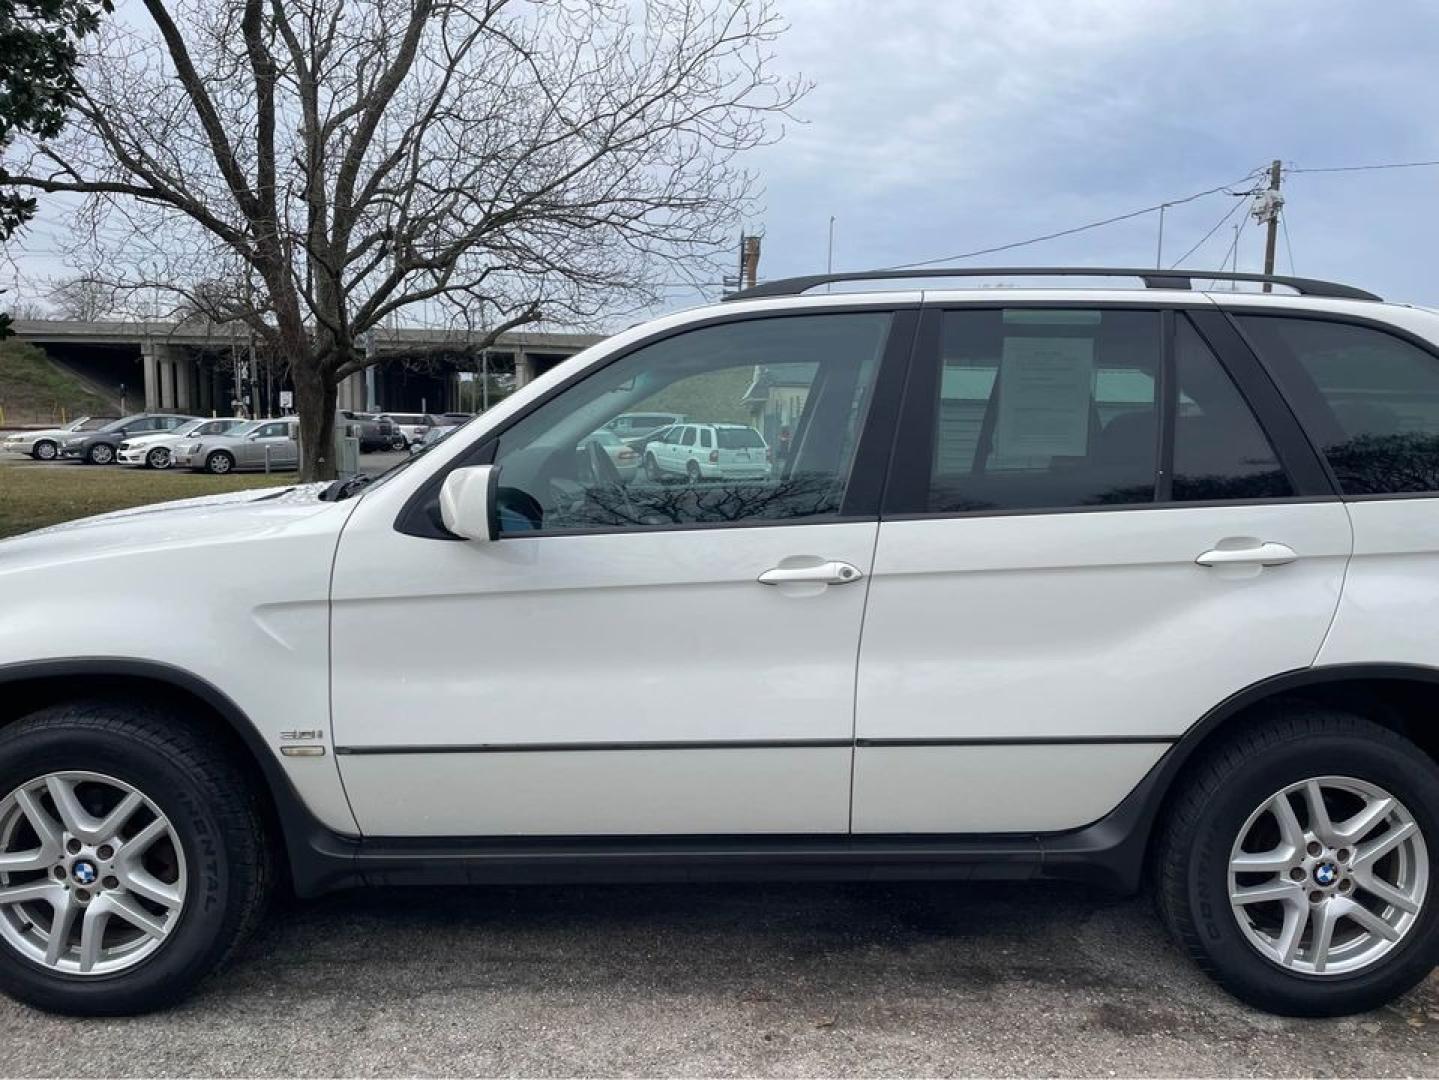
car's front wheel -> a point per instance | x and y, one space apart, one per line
44 450
132 858
219 463
1298 864
100 454
158 458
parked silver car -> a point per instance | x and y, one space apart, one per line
45 445
259 444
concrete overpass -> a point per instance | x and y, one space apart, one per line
195 366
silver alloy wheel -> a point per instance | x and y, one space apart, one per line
45 450
92 874
102 454
1328 875
219 463
158 458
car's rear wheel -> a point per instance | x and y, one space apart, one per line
44 450
100 454
132 858
1299 867
219 463
692 470
158 458
652 469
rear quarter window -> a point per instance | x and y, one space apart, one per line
1367 398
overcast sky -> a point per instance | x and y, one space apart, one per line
942 126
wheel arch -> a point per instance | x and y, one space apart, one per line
28 686
1115 851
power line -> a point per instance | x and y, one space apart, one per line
1366 168
1204 239
1076 229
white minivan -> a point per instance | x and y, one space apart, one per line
1104 584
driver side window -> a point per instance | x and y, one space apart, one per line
785 399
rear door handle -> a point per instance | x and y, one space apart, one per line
825 573
1266 554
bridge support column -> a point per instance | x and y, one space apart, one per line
185 384
150 356
524 369
167 382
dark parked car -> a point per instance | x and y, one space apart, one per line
99 447
374 432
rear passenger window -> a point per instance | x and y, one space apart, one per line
1368 400
1045 408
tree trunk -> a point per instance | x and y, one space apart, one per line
315 401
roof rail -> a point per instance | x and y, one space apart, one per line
1153 279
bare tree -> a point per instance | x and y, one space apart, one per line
478 163
82 298
26 308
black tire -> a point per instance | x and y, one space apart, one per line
1221 791
45 450
398 443
215 813
652 469
692 471
100 454
219 463
157 458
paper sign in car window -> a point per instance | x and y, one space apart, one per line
1045 385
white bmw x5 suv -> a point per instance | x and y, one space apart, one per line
1099 584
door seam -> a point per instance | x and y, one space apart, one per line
1343 586
854 695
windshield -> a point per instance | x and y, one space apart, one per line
186 429
116 425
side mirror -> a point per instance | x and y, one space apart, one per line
467 502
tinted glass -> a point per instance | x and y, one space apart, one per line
1045 408
1220 452
689 437
739 439
812 375
1368 399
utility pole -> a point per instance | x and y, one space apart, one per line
1159 248
1267 206
749 265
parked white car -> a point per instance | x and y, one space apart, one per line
45 445
154 451
708 452
1091 584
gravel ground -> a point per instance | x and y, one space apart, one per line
720 980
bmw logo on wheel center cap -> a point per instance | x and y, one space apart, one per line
83 872
1326 873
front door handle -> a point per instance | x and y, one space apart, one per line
1266 554
825 573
